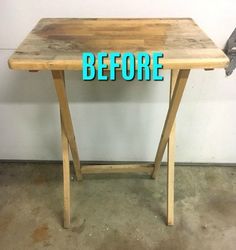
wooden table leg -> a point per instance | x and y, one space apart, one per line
59 82
170 118
171 158
66 175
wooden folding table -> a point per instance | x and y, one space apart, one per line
56 44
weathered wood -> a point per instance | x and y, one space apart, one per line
170 118
58 43
171 158
119 168
59 82
66 175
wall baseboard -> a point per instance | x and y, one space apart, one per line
185 164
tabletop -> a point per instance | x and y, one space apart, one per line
58 43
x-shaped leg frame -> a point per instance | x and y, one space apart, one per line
177 85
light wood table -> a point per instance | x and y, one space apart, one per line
57 45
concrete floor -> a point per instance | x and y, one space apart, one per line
117 211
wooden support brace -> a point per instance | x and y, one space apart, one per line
66 176
170 118
59 82
118 168
171 158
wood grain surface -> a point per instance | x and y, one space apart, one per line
58 43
